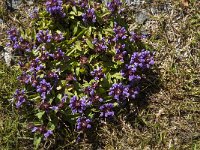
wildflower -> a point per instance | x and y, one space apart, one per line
83 3
89 15
58 37
35 65
20 97
106 110
142 59
94 99
44 88
24 78
120 33
13 34
58 55
83 123
133 92
97 73
34 13
77 105
100 45
34 129
118 91
114 6
130 71
48 133
54 7
44 36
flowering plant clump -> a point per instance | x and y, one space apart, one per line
79 63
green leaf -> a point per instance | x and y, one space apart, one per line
78 45
59 96
75 38
117 76
89 31
75 30
40 114
79 13
89 43
37 141
74 9
77 71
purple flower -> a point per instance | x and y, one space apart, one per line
20 97
94 99
119 47
35 65
22 44
135 37
48 133
106 110
34 13
77 105
44 56
130 72
44 36
58 37
53 75
114 6
24 78
55 108
97 73
13 34
34 129
119 56
58 55
83 123
54 7
44 88
100 45
89 16
83 3
118 91
142 59
64 98
133 92
120 33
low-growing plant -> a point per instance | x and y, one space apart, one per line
80 63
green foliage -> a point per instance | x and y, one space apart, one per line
71 61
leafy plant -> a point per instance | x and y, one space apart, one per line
79 63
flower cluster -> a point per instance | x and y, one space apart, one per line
89 16
54 7
83 3
44 36
106 110
80 69
83 123
120 33
44 88
34 13
142 59
20 97
114 6
100 45
77 105
98 73
42 129
119 91
130 72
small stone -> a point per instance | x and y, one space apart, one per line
1 21
7 54
141 17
